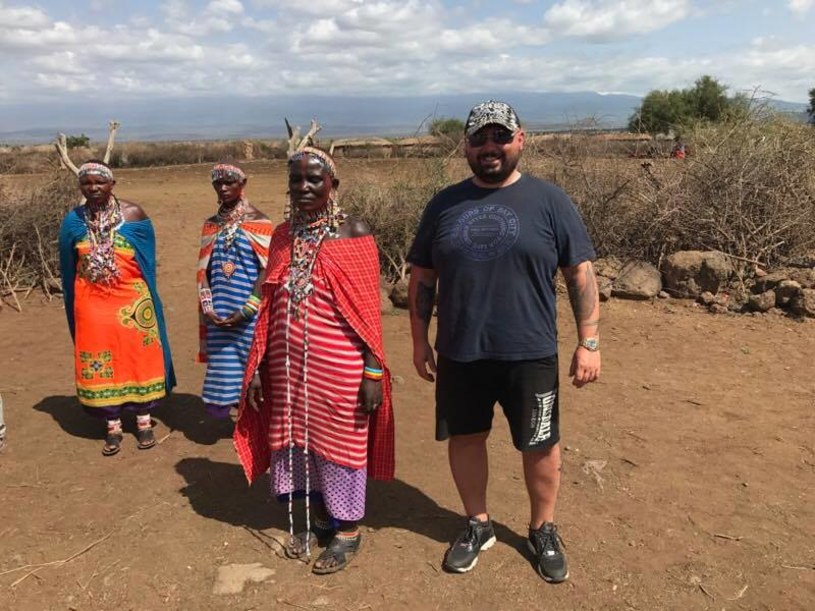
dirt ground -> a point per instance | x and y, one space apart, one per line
688 477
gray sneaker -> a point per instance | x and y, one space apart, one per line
463 554
544 543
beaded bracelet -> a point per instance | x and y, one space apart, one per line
372 373
250 308
205 297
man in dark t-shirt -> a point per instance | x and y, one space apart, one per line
492 245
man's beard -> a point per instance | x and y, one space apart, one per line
494 175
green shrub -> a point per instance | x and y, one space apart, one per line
81 141
447 127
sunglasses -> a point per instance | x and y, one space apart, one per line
498 136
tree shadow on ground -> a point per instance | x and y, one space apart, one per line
179 412
219 491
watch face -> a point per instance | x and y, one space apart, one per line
590 343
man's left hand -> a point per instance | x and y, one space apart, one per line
585 366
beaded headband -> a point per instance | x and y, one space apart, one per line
227 172
322 156
95 169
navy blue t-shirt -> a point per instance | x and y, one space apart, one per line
496 253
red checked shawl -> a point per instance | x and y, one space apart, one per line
352 272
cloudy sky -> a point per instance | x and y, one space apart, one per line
126 49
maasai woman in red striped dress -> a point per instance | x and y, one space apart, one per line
318 389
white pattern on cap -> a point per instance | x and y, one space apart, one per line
492 113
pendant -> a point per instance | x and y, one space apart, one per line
228 268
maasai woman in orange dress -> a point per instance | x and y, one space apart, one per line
319 403
108 262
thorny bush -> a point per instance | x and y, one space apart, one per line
392 210
747 191
29 234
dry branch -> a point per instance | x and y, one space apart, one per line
112 127
62 148
295 142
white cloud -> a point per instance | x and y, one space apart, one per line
233 7
492 36
64 62
801 7
67 83
47 38
22 17
218 16
375 47
175 10
611 19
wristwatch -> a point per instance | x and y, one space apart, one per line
592 344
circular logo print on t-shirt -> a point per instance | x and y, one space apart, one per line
486 232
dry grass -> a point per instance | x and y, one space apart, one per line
748 191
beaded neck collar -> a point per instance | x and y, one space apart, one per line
230 220
102 222
308 232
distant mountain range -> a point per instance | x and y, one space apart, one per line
262 117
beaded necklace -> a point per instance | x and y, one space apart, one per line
102 222
308 231
229 221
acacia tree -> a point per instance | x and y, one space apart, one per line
811 109
708 99
447 127
664 111
660 112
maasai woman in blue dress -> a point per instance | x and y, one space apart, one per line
233 256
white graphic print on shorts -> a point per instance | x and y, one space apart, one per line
542 417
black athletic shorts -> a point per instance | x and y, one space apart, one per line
466 394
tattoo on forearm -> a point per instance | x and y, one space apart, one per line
583 295
425 296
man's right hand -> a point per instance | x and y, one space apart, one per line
424 361
254 394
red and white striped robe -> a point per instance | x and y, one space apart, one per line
337 426
350 269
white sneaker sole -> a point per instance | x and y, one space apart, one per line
464 569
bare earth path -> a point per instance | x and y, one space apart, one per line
688 476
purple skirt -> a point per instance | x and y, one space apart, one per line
342 488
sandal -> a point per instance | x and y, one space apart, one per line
113 443
146 438
341 550
318 535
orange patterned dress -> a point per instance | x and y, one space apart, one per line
118 351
